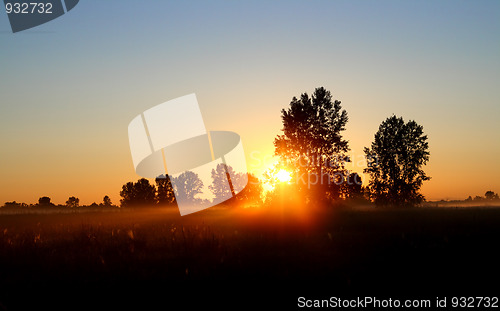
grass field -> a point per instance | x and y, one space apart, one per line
218 256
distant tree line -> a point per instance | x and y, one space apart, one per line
488 196
188 187
72 202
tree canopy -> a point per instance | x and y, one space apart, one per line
395 163
164 190
222 185
106 201
312 142
45 201
73 202
138 193
252 193
352 187
187 186
490 195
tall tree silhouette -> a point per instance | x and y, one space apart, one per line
395 163
312 142
187 186
222 183
164 190
139 193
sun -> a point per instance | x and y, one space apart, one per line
283 175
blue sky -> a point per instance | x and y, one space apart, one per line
69 88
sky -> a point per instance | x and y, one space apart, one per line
70 87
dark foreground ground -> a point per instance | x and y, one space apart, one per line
155 259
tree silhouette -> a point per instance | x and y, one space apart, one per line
14 204
45 201
187 186
225 180
139 193
395 163
165 192
73 202
106 201
490 195
312 143
352 187
252 193
222 184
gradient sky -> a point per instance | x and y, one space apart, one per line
69 88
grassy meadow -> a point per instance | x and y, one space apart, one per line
244 256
